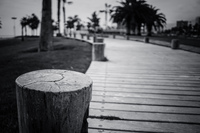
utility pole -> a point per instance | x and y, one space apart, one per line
106 13
14 28
64 16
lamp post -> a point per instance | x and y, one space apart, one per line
64 16
14 29
106 12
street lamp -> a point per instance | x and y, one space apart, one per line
14 29
106 12
64 17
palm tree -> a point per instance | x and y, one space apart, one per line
58 15
33 22
72 21
94 21
0 24
46 34
23 23
156 20
131 13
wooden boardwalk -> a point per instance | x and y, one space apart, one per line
145 88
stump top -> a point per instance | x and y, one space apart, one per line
54 80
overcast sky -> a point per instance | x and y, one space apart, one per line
173 9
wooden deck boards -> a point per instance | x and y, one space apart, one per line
145 88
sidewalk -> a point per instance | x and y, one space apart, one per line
145 88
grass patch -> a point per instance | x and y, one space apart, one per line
18 57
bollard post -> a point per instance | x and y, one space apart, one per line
127 37
82 36
175 44
146 40
113 36
74 35
88 37
94 38
98 51
53 101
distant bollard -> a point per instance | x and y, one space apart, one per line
127 37
146 40
53 101
88 37
114 36
70 35
82 36
175 44
74 35
98 39
98 51
94 38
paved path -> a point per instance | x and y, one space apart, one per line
145 88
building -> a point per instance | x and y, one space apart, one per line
181 23
198 20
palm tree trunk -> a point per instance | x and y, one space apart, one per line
139 29
22 33
128 28
25 31
149 29
64 18
58 13
133 27
46 35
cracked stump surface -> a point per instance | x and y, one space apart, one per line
52 101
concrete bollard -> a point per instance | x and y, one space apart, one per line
88 37
82 36
98 51
94 38
146 40
127 37
98 39
175 44
114 36
53 101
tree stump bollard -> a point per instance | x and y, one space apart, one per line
175 44
127 37
98 51
53 101
88 37
146 40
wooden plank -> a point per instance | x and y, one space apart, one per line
97 130
142 116
190 79
150 72
147 87
149 91
144 101
150 127
151 82
145 108
114 93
